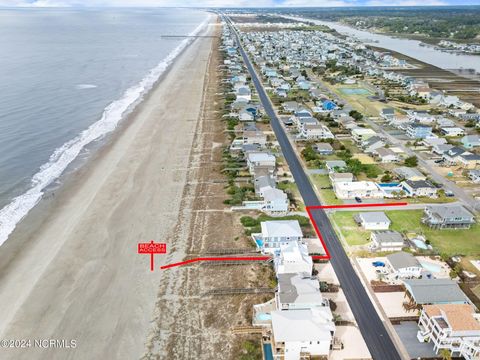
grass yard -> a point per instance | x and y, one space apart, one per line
327 196
352 233
451 242
320 181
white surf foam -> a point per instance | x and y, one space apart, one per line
85 86
18 208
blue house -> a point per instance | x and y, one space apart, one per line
329 105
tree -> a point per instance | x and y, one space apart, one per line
411 161
446 354
387 177
356 115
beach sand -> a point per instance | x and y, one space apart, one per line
75 274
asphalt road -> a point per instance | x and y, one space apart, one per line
373 330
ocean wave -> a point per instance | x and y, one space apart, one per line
85 86
18 208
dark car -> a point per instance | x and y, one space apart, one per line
357 199
378 264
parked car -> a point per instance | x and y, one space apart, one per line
357 199
449 193
378 263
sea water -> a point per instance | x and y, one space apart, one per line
67 78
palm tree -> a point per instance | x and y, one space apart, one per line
446 354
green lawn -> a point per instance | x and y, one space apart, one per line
451 242
353 234
327 196
320 180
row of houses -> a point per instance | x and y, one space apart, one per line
252 143
297 322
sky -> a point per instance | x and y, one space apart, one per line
232 3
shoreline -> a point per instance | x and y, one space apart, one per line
73 152
46 276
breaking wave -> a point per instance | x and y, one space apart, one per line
18 208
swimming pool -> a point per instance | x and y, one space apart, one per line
267 350
434 268
420 244
263 316
259 242
355 91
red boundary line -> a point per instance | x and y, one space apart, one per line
317 230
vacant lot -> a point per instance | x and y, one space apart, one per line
450 242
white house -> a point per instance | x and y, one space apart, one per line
275 202
452 131
386 240
454 327
423 188
315 132
361 134
259 159
299 291
373 220
386 155
293 258
404 265
276 233
302 332
353 189
244 93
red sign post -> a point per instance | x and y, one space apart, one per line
152 248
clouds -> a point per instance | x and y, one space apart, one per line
230 3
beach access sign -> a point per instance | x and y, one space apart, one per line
152 248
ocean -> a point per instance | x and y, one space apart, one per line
68 77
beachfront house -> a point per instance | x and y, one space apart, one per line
298 291
373 220
386 240
259 159
454 327
276 233
357 189
447 217
404 265
293 259
298 334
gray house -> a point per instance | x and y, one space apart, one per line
447 217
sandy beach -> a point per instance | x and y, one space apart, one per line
75 274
